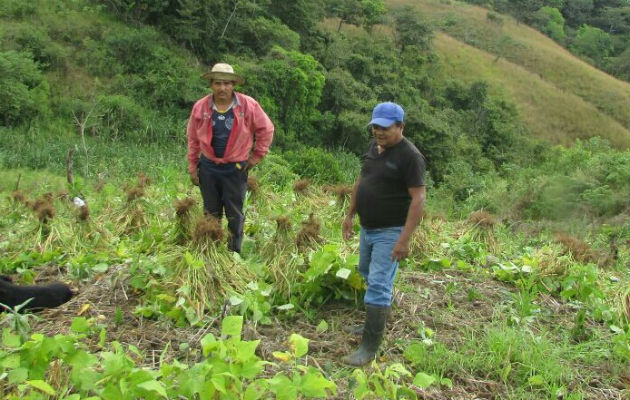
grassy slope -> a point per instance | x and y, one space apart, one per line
559 96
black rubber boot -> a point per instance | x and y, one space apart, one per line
375 319
357 330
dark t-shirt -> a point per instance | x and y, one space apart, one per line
221 128
382 196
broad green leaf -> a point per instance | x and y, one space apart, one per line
283 388
235 300
208 343
42 386
322 326
9 339
446 382
423 380
313 384
281 355
153 386
343 273
232 326
11 361
299 345
18 375
255 390
245 350
536 380
79 325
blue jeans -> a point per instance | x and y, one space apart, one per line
376 265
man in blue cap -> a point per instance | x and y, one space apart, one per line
389 197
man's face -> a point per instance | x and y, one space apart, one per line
387 137
222 90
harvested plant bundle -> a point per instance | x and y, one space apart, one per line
253 186
209 277
208 231
309 234
579 249
482 229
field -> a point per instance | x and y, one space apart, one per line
485 307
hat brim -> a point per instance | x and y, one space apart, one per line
384 122
224 76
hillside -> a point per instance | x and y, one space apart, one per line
579 100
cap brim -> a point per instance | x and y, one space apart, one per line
384 122
224 76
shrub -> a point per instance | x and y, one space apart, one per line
316 164
276 171
121 117
23 89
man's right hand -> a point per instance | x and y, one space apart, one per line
347 227
194 177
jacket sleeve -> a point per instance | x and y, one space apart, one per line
193 141
263 131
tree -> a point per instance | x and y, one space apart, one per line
550 21
577 12
593 43
411 29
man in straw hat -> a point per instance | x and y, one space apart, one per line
228 134
389 197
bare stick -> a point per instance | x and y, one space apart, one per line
69 162
229 19
17 184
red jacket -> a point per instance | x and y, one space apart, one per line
251 124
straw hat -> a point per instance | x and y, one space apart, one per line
224 72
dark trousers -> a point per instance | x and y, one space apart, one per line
224 190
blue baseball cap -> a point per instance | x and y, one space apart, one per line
385 114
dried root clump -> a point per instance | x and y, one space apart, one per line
43 208
18 197
253 186
208 230
84 213
483 224
309 234
283 224
133 193
580 250
143 180
482 219
342 192
183 207
301 186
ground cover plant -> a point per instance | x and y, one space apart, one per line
485 305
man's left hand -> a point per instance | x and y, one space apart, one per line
252 162
401 250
